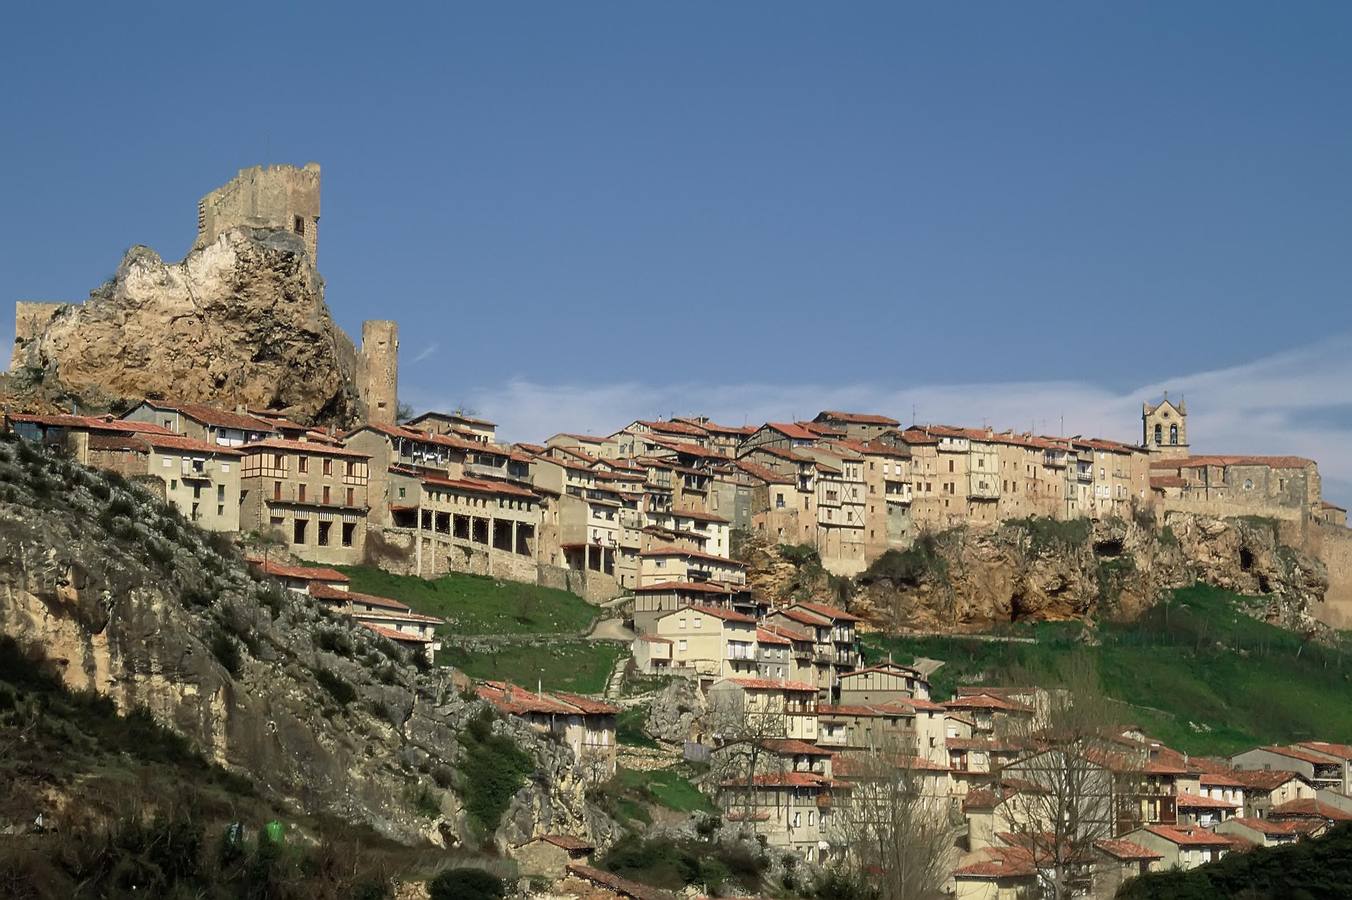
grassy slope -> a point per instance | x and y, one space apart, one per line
474 604
1197 672
577 666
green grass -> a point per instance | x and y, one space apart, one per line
1194 672
475 604
580 666
629 727
631 794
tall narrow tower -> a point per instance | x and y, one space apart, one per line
1164 427
378 370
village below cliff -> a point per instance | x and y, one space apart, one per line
842 658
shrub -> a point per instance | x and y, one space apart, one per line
466 884
494 768
910 566
334 640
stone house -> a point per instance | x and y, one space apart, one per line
858 426
996 873
791 810
465 524
456 423
992 715
310 495
1320 769
883 682
388 618
1181 846
706 641
667 563
585 725
389 447
764 708
301 579
1204 811
1164 428
1281 487
1266 789
205 423
1116 860
1267 832
835 647
653 601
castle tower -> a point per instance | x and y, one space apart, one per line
1164 427
282 198
378 370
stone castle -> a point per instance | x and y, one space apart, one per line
278 198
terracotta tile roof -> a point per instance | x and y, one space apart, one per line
566 842
99 423
1294 752
670 550
588 705
696 587
858 764
715 428
1193 801
210 415
305 573
186 444
764 636
801 616
672 427
454 417
1197 462
303 447
989 744
469 485
697 515
321 591
1167 481
1187 836
1271 827
1125 849
1310 808
857 418
790 747
986 701
831 612
514 700
1342 751
394 615
726 615
769 684
1218 779
791 430
791 633
1000 862
622 886
394 634
1265 779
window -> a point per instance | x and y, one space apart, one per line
300 225
298 531
680 623
349 532
1159 434
173 484
681 645
326 494
300 493
220 493
278 461
779 501
324 528
351 497
1173 434
347 467
302 463
328 466
699 622
402 493
950 465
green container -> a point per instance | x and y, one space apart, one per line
275 831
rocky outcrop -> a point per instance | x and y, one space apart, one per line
241 321
131 601
674 711
968 579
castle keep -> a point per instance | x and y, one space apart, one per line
280 198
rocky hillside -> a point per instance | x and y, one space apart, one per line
241 321
130 601
1039 570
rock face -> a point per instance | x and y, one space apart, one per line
241 320
969 579
137 605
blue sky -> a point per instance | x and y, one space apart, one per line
869 202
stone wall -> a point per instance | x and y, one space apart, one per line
378 371
1331 544
283 198
30 320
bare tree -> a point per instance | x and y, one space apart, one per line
744 728
896 822
1065 791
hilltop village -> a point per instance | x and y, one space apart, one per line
648 520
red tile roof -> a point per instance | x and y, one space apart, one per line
781 779
860 764
986 701
670 550
831 612
1000 862
1271 827
697 515
210 415
394 634
695 587
1264 779
790 747
1342 751
768 684
314 447
857 418
321 591
801 616
1193 801
185 444
514 700
1188 836
791 430
1292 752
726 615
305 573
1310 808
764 636
1197 462
1125 849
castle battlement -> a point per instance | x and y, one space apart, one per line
280 197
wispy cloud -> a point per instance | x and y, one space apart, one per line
426 353
1293 402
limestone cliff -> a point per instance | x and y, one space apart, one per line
969 579
134 603
241 320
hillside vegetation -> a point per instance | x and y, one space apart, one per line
476 604
1195 671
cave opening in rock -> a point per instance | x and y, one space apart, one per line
1108 547
1245 558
